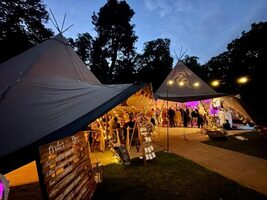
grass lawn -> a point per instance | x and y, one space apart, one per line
168 177
256 145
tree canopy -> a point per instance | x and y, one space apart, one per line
155 63
115 41
21 26
245 56
195 66
112 56
83 45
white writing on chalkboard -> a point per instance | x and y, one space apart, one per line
55 148
59 157
67 168
61 175
75 139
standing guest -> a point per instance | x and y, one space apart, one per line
157 114
178 117
152 117
117 127
227 125
171 115
164 117
116 124
188 116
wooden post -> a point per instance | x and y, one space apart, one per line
128 139
133 131
41 176
118 137
102 141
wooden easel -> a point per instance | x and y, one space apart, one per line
140 137
145 140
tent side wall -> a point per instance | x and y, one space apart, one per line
30 152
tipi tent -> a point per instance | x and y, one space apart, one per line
183 85
48 93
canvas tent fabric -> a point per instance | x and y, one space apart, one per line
233 103
48 93
58 57
186 86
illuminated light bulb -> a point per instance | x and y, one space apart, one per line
215 83
181 83
242 80
196 84
170 82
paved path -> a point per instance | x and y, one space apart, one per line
247 170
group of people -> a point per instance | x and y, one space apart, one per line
116 127
182 117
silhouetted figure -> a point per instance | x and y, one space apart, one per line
227 125
171 114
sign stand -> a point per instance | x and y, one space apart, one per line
146 143
65 170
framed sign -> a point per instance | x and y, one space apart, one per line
67 169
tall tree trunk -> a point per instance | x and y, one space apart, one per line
113 61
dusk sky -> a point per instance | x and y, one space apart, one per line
202 27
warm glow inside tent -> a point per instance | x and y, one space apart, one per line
183 88
48 93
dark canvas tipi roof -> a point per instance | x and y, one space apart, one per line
47 93
186 86
55 54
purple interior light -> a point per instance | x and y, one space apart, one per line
2 187
213 111
207 101
192 104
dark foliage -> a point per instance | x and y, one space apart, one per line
21 26
114 44
245 56
155 63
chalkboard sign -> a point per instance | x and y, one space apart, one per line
67 169
123 154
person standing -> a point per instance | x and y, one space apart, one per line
171 115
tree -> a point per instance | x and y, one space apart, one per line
155 63
195 66
21 26
245 56
99 64
115 41
83 45
125 71
217 68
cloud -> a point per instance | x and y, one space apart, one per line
163 8
170 7
195 25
